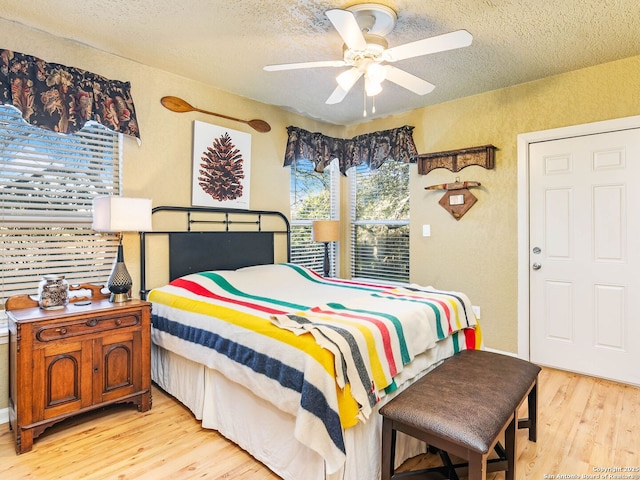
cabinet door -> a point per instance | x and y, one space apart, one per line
62 374
117 366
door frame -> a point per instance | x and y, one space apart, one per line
524 139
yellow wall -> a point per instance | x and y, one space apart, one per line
476 255
160 168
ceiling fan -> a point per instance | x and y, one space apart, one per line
363 28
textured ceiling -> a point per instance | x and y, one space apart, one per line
225 43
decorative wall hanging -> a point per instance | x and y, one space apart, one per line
456 160
179 105
372 149
458 199
221 167
62 99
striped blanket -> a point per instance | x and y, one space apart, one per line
266 327
373 337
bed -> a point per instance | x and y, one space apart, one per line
289 365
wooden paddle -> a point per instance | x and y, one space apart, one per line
176 104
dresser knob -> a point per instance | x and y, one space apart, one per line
92 322
63 331
118 322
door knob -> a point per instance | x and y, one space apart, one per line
536 266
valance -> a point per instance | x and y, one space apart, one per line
63 99
372 149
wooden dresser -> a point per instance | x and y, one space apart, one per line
73 360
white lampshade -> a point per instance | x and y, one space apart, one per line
348 78
121 214
325 231
372 88
376 72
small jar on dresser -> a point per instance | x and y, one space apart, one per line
84 356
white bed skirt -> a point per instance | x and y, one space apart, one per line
266 432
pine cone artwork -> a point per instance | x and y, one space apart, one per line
221 170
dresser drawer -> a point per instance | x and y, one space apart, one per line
87 326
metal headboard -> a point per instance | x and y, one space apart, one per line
209 238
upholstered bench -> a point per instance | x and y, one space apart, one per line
462 407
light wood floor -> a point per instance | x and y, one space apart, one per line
584 423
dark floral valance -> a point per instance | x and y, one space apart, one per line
372 149
63 99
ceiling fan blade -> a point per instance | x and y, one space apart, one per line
336 96
346 81
294 66
440 43
347 26
409 81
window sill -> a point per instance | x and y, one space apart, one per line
4 328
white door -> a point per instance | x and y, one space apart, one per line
584 254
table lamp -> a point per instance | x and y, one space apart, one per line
325 231
121 214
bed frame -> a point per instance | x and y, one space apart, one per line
209 238
231 239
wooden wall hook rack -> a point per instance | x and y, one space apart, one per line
456 160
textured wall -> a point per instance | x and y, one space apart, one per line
160 168
476 255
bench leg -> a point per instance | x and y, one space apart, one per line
532 405
388 449
532 421
510 448
477 467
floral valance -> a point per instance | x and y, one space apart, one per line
372 149
63 99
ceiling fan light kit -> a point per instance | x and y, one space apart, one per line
372 88
376 72
363 28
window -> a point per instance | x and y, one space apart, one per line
47 183
380 222
314 196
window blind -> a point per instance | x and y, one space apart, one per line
47 183
314 196
380 222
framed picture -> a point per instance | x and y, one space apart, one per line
221 167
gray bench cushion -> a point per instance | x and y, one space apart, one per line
467 400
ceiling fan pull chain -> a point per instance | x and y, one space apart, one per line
364 100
